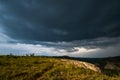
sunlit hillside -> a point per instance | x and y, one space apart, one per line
46 68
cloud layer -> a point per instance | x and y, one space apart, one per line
66 27
64 20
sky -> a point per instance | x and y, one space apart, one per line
76 28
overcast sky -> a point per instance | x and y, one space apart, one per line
78 28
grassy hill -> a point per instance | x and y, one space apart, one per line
47 68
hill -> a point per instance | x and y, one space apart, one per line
109 66
49 68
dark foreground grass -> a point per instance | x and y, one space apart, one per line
44 68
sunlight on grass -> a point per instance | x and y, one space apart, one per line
43 68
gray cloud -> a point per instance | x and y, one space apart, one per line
99 52
62 25
88 44
60 20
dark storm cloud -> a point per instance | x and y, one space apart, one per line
60 20
101 43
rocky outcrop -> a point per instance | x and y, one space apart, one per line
82 64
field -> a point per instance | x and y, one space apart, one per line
46 68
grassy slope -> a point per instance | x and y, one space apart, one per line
43 68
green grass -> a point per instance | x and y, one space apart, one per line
44 68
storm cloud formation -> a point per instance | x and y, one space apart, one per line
62 24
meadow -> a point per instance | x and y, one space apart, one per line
46 68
